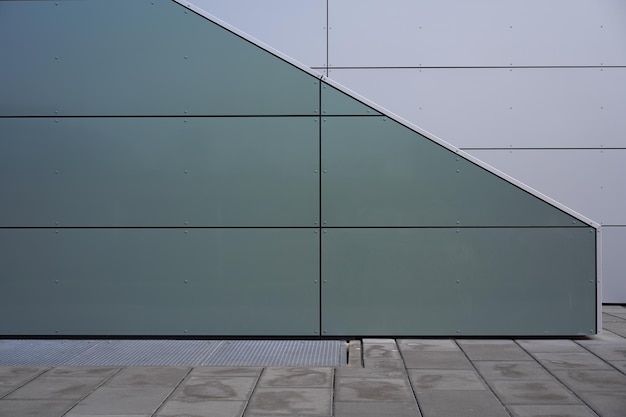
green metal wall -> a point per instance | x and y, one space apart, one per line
161 175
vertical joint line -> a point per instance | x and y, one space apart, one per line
327 33
319 212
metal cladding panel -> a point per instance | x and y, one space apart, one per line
590 181
377 172
159 172
502 107
159 282
296 28
614 264
486 33
335 102
120 57
447 281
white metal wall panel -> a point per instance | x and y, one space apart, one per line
476 33
518 108
590 182
296 28
613 264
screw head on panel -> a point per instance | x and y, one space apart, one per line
316 331
315 282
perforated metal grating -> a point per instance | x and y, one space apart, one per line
172 352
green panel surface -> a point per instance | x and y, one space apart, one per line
138 57
335 102
159 282
477 281
155 172
377 172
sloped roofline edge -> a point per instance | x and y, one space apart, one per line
385 112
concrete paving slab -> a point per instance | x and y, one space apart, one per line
169 376
376 409
122 400
493 350
593 380
219 371
383 351
199 389
368 341
551 411
436 360
606 338
607 404
615 308
434 345
532 392
349 372
290 401
57 388
175 408
366 389
99 371
384 364
621 365
508 370
610 318
617 328
12 377
297 377
609 353
555 361
445 379
460 404
34 408
70 414
620 315
550 345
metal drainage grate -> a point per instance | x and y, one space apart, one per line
172 353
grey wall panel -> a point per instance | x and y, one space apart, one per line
377 172
519 108
485 33
159 282
136 58
590 182
393 281
296 28
154 172
613 264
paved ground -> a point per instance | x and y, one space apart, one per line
405 377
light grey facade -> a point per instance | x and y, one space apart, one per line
536 89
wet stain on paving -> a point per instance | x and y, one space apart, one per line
509 370
209 390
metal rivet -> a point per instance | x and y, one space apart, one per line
315 171
325 331
458 331
186 231
186 111
56 281
186 171
56 232
56 223
315 281
315 231
458 170
315 332
56 172
324 230
458 231
186 282
186 223
458 281
315 222
324 171
325 222
185 331
591 281
458 222
325 281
